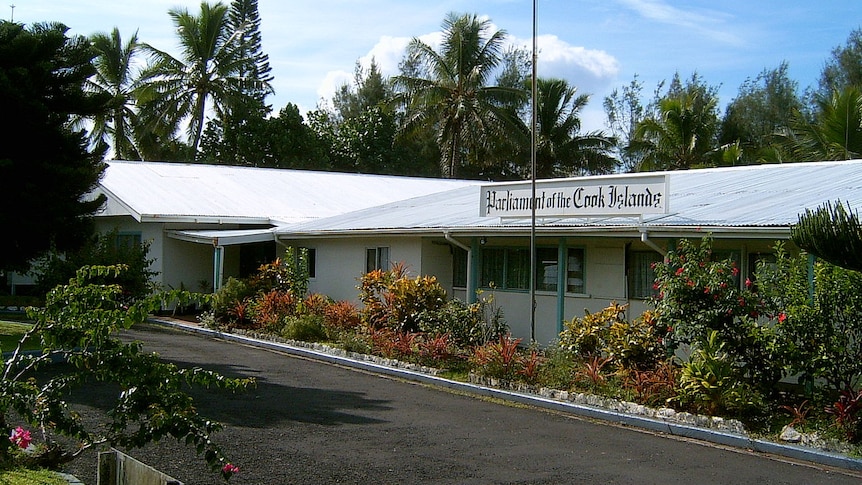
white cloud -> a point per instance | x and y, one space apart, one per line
711 23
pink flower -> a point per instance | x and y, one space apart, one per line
230 468
21 437
747 283
735 271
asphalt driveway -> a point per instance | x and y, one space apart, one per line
309 422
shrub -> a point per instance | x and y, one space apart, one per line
636 344
557 370
467 325
101 249
392 299
699 296
821 331
307 328
288 273
499 359
709 382
269 309
653 386
316 304
226 298
845 411
341 316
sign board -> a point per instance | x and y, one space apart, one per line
588 197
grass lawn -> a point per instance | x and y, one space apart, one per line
31 477
10 334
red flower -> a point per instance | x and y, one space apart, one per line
747 283
735 271
782 317
679 271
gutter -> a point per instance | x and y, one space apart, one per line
646 240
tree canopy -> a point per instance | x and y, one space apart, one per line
45 167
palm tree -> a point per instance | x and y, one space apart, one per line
115 77
448 92
834 134
560 150
210 71
681 134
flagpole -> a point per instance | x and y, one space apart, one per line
533 268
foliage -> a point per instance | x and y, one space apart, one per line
763 107
100 250
244 21
561 150
79 324
821 326
499 359
268 309
709 382
116 77
342 315
592 371
653 386
607 333
699 296
682 132
832 233
251 138
447 91
624 112
843 68
557 368
289 273
467 325
43 185
214 69
845 411
233 292
834 132
308 328
394 300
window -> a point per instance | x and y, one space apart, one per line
376 258
311 260
509 269
128 240
547 270
641 274
575 271
459 267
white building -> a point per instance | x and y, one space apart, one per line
596 237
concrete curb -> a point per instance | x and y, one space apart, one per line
727 439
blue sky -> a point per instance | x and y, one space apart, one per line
597 45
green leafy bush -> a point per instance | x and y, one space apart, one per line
79 323
821 326
699 296
709 382
307 328
392 299
635 344
234 292
467 325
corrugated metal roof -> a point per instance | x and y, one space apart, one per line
196 192
750 198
